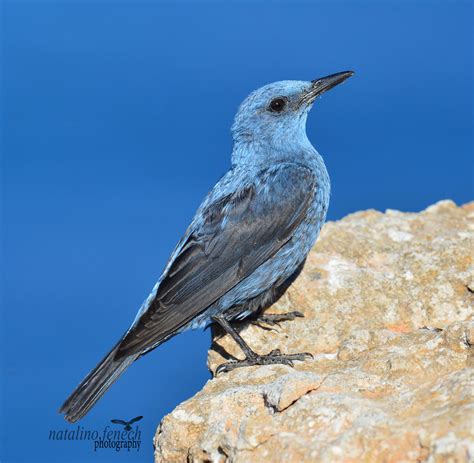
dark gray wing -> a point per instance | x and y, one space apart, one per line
134 420
118 422
236 234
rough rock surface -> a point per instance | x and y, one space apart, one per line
388 304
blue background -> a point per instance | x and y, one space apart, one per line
115 123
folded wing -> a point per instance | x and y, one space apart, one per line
236 234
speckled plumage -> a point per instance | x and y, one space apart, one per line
251 233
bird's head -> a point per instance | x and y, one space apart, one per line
276 114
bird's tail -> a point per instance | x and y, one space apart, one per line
94 385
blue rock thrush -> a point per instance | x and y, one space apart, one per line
247 241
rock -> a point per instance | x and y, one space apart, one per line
388 304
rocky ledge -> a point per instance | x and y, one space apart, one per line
388 316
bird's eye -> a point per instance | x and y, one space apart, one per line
277 105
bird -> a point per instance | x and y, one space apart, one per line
127 425
247 241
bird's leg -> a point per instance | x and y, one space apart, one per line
251 357
277 318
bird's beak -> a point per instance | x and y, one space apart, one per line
319 86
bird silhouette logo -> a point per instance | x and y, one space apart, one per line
127 425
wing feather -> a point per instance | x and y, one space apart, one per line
237 234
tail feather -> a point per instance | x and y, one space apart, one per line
95 384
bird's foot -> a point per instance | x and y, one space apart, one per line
277 318
273 358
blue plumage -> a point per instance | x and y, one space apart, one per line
250 235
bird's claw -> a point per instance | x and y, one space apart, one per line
275 357
277 318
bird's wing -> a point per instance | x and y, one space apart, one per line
134 420
118 421
236 234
